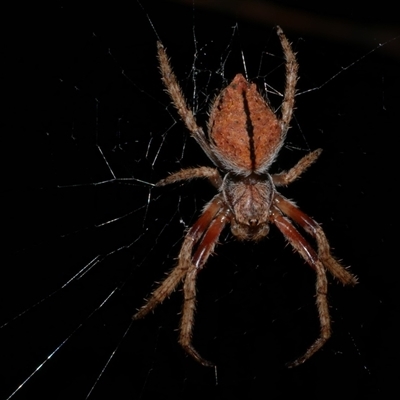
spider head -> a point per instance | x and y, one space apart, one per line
249 199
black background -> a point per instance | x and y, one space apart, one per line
78 77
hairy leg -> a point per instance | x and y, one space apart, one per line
303 247
176 95
291 80
313 228
204 250
194 234
284 178
211 174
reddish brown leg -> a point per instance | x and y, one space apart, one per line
190 173
313 228
200 257
194 234
178 100
291 80
310 256
284 178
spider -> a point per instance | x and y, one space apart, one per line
244 138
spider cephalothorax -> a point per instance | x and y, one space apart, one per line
249 199
244 137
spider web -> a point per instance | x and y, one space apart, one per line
87 234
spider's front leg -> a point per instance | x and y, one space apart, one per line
203 251
313 228
192 237
310 256
197 246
